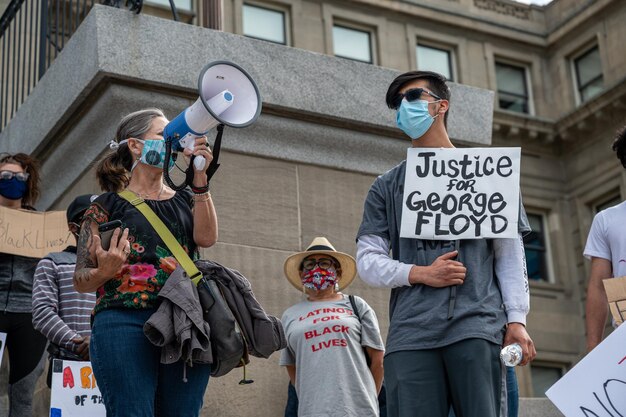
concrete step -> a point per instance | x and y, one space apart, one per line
537 407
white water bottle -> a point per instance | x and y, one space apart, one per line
511 355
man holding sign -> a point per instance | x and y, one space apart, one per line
453 306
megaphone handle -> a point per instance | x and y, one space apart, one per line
214 165
198 162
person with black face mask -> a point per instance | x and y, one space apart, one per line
19 189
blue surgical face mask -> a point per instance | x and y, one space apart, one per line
153 153
12 189
413 117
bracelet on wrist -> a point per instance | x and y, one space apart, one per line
200 190
207 197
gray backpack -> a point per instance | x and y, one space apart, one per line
239 325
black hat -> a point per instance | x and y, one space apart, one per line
77 208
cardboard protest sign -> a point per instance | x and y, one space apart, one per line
597 385
75 392
616 293
452 193
3 342
33 234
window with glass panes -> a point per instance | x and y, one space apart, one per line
607 203
543 377
352 43
589 80
512 87
439 60
180 4
536 250
263 23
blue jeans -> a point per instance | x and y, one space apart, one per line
130 376
512 391
291 409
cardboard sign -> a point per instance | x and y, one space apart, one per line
597 385
33 234
616 294
75 392
454 193
3 342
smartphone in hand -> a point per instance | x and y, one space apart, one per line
106 232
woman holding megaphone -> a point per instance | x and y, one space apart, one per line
19 189
128 271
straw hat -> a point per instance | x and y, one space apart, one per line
320 245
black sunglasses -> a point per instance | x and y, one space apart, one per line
412 95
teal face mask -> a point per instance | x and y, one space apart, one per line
153 153
413 117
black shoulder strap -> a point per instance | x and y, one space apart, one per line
355 309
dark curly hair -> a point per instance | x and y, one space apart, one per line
619 146
30 166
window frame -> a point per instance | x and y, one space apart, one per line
274 8
340 23
166 4
549 268
603 203
451 50
561 366
575 73
527 84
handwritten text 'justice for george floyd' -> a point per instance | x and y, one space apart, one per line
470 209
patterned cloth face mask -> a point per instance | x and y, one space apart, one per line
153 153
319 279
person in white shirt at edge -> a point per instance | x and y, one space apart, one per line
606 247
432 362
325 356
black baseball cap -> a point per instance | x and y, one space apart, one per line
77 208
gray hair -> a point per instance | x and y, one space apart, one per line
136 124
113 170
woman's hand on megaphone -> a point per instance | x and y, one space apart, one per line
201 148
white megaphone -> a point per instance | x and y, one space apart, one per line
227 96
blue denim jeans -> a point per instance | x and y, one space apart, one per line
291 409
512 391
131 378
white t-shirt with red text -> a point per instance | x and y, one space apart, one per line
325 342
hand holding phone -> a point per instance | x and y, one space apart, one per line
106 232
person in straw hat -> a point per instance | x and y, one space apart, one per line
326 341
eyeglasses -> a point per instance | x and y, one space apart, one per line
7 175
323 263
412 95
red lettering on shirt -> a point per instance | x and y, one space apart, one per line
329 343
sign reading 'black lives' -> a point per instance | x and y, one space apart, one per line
454 193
